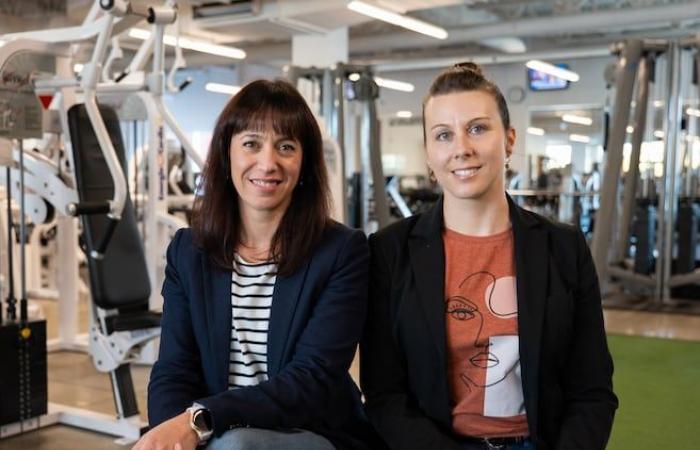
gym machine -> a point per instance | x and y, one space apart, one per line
335 91
664 226
122 322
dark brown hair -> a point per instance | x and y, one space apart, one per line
462 77
216 222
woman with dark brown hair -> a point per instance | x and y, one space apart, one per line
485 327
264 297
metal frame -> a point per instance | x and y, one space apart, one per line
637 60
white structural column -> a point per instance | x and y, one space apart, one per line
320 50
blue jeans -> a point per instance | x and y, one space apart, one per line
527 445
263 439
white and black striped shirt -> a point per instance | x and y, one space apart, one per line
251 299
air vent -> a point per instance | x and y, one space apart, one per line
238 8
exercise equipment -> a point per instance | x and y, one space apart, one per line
664 227
88 181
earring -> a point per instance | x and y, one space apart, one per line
431 175
508 163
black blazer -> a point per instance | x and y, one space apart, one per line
316 322
566 366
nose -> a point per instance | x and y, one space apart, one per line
267 158
463 147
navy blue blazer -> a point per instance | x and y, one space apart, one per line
316 321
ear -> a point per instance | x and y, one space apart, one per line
510 141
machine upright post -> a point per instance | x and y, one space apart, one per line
668 200
631 53
22 239
11 300
632 177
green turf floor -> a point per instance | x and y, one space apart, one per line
658 384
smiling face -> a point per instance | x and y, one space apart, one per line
265 169
467 144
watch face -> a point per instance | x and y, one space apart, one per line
202 420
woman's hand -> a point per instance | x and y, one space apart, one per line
173 434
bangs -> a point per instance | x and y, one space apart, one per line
287 116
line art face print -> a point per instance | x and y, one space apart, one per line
491 367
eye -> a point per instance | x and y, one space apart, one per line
250 144
477 129
443 136
287 147
460 310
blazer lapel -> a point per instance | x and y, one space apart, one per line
427 257
532 265
285 298
217 296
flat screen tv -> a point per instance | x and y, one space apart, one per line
540 81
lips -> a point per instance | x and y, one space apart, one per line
265 182
466 172
484 360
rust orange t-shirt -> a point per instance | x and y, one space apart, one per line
481 318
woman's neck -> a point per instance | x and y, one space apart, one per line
257 230
477 217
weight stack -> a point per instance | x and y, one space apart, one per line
23 381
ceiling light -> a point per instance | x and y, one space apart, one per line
505 44
658 103
579 138
78 67
222 88
354 76
581 120
398 19
189 44
536 131
394 84
559 72
693 112
659 134
630 129
404 114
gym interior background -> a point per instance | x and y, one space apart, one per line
603 94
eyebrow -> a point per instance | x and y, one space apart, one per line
468 123
251 134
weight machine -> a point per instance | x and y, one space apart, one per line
335 93
664 226
89 183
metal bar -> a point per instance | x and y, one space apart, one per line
371 141
629 195
669 198
685 278
22 239
629 58
625 274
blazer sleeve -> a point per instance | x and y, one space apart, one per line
176 378
589 398
389 404
301 392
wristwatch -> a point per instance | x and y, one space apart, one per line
201 422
